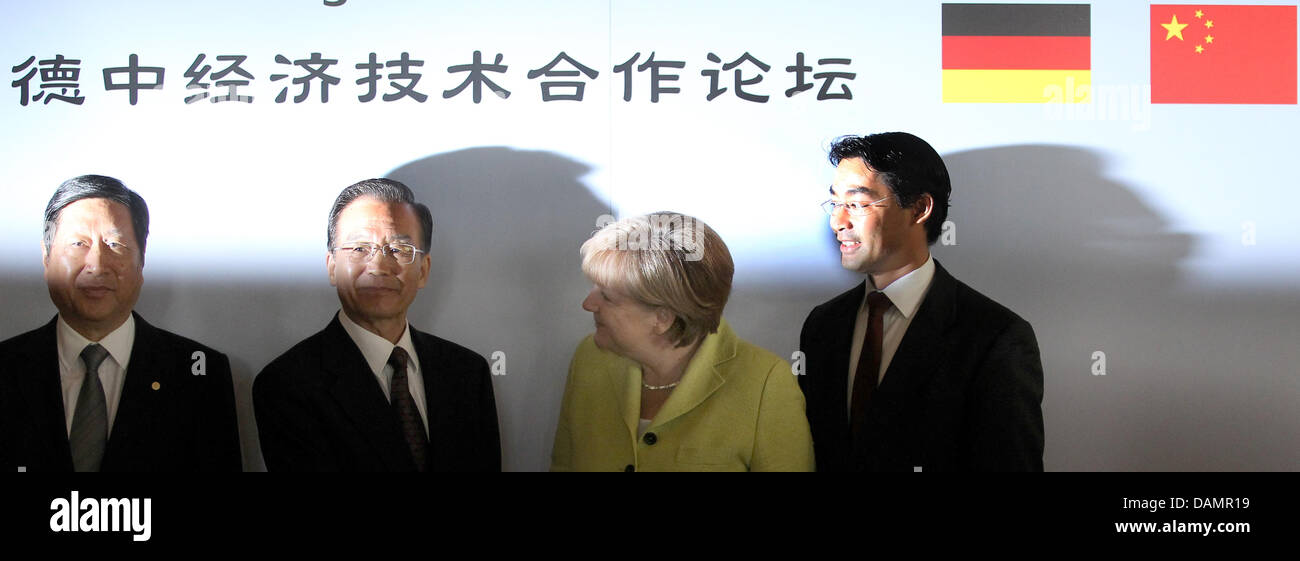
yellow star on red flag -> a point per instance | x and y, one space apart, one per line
1174 28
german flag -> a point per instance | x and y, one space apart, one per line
1223 54
1017 53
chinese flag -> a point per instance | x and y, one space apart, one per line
1223 54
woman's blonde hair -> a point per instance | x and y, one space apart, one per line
669 260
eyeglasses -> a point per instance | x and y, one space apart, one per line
855 208
362 252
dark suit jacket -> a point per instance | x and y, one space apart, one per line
186 424
963 391
319 408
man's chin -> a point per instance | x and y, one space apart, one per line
859 268
94 316
96 307
377 309
378 299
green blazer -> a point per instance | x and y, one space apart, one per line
737 408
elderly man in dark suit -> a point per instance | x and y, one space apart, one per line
912 370
97 388
370 392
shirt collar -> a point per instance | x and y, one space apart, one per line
909 290
118 343
374 348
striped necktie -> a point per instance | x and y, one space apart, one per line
89 434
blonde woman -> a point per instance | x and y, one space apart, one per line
664 384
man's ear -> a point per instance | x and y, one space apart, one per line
922 208
425 265
329 266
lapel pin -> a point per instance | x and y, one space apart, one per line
156 385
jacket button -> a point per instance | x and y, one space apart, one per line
629 468
650 438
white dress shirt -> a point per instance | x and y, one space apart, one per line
377 350
72 370
906 295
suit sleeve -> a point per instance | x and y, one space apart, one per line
221 439
290 439
486 429
782 441
808 338
1006 404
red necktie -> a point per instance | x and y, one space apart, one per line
404 406
868 371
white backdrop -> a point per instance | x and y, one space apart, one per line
1159 235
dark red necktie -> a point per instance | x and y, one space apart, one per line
404 407
868 371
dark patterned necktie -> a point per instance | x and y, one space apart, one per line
404 407
89 434
868 371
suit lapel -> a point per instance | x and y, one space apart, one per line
430 355
42 387
133 403
922 352
702 376
362 400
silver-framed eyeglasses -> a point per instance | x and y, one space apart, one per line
855 208
361 252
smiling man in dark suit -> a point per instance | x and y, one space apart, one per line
369 392
97 388
912 369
